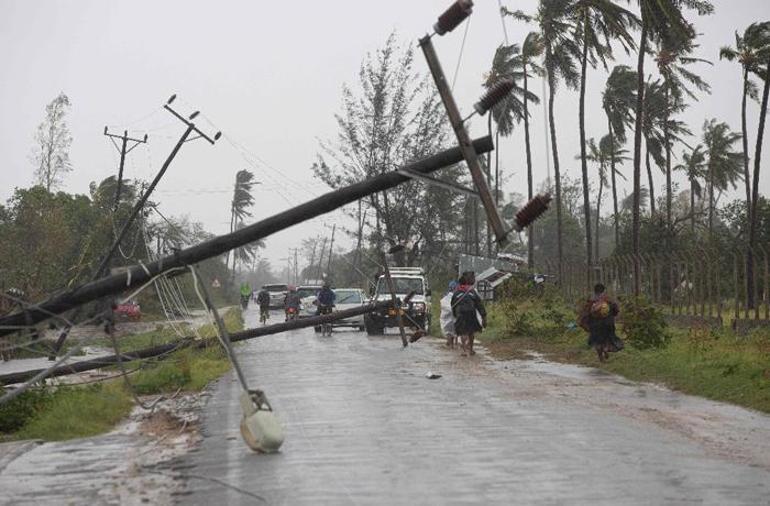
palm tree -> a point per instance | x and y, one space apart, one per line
659 128
603 155
723 165
752 51
659 18
514 63
673 57
239 206
748 52
560 51
694 166
618 99
598 22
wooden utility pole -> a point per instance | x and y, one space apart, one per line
138 275
105 262
123 149
464 141
331 250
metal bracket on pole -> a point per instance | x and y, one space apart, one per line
437 182
464 141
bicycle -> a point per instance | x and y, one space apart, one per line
264 314
326 328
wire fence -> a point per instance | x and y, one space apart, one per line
706 284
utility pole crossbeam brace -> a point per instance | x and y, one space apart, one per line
466 147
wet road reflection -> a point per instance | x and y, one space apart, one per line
364 426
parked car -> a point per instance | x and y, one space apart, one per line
277 294
349 298
129 310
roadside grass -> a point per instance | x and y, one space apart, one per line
716 364
66 412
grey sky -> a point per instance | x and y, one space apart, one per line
269 75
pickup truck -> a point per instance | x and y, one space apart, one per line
415 314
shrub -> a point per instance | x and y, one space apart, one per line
515 321
644 324
14 414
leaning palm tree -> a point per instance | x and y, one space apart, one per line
659 18
659 129
694 166
242 201
753 52
748 51
599 22
723 165
560 54
673 57
516 64
618 100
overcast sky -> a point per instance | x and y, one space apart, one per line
269 75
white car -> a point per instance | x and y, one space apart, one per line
277 294
349 298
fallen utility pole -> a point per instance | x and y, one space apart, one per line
137 275
123 150
165 349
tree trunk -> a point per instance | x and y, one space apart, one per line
747 182
755 182
614 183
669 190
489 185
556 171
638 151
692 207
530 229
583 162
598 214
711 200
649 178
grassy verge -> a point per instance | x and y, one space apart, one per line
715 364
67 412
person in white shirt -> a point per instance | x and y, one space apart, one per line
447 317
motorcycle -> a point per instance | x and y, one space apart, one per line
291 313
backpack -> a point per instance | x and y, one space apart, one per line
464 303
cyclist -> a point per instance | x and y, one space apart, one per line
263 300
325 299
245 294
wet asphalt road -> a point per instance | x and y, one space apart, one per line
364 426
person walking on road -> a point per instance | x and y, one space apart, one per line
466 307
447 318
597 317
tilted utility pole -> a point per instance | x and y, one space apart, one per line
449 20
123 149
105 262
